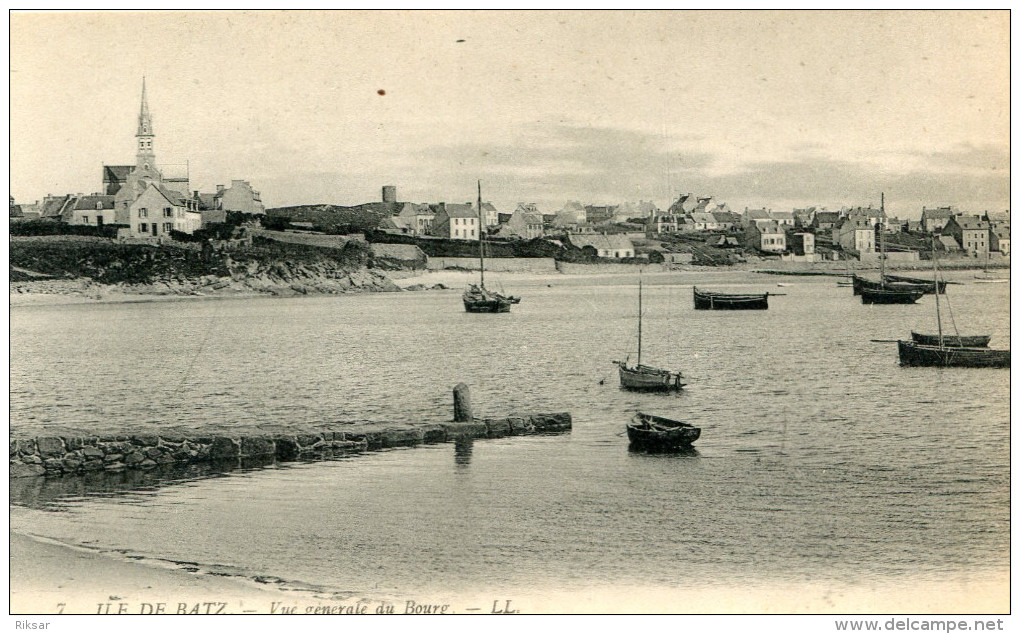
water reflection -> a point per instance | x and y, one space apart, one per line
686 452
462 448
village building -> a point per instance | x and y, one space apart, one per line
704 221
949 243
606 246
825 221
784 218
932 220
96 210
573 213
239 197
681 206
455 221
970 232
803 217
600 214
855 233
521 225
158 211
1000 240
726 220
664 224
765 236
490 215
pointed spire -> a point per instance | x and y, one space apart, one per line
144 118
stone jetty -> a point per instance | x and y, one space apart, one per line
65 456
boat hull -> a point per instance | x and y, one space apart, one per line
888 296
660 434
953 341
723 301
929 286
649 379
479 300
913 354
861 284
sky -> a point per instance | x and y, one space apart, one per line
755 109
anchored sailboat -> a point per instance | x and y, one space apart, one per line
477 298
644 377
884 292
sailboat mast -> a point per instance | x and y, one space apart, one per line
935 267
481 242
639 321
881 238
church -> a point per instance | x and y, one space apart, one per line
153 203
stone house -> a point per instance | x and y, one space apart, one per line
455 221
932 220
765 236
970 232
606 246
158 211
855 233
1000 240
96 210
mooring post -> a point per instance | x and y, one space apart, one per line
462 404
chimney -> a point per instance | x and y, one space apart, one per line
219 188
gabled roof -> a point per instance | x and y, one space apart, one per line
768 227
949 242
723 216
601 241
703 218
94 202
997 216
782 215
938 212
458 210
116 173
1001 234
757 214
856 222
827 216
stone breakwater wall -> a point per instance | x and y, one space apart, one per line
62 455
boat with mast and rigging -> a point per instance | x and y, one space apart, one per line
942 353
477 298
884 292
644 377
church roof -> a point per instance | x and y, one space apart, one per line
116 173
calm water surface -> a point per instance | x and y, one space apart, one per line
820 458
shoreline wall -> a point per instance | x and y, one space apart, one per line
75 455
505 265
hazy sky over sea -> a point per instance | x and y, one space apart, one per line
755 109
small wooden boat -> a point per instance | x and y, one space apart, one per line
915 354
929 285
861 283
478 299
658 433
953 341
889 295
707 300
991 280
645 377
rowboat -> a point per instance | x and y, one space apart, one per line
707 300
954 341
889 296
647 431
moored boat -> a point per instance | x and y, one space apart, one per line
929 285
708 300
647 431
644 377
477 298
954 341
862 283
889 296
915 354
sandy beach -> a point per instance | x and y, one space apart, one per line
50 578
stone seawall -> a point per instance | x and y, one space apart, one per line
506 265
61 455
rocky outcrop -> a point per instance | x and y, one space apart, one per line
63 455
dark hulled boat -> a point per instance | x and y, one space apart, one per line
862 283
889 295
942 353
915 354
707 300
928 285
477 298
650 432
953 341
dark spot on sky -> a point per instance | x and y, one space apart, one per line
459 41
381 91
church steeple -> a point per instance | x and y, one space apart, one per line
145 135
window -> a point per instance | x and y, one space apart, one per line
168 227
472 233
143 228
143 213
99 205
456 232
168 212
85 219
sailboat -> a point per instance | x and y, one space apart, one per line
644 377
477 298
884 292
948 350
986 278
